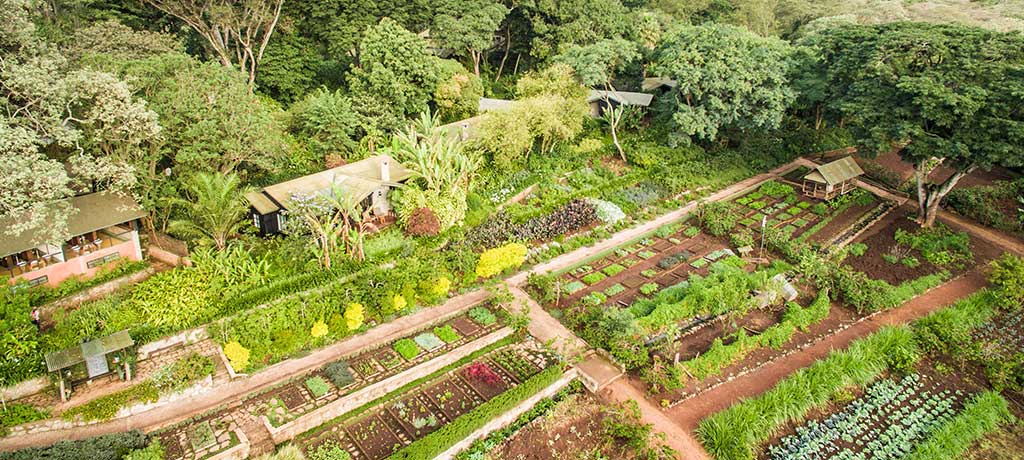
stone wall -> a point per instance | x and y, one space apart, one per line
368 394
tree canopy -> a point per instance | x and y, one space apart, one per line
727 77
941 94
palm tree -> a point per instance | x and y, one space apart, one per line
213 209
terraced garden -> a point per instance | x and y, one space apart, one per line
469 394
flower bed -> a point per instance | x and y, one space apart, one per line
295 398
434 415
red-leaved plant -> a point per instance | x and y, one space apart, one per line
483 373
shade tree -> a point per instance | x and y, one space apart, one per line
942 95
467 27
727 77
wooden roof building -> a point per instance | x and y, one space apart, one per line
832 179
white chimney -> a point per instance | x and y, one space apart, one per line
385 169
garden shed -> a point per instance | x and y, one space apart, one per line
91 360
832 179
366 181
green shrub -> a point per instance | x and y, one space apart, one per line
820 209
154 451
183 373
735 432
447 333
317 386
858 249
984 414
717 217
1007 277
407 348
18 413
432 445
106 447
339 373
776 189
482 316
497 260
106 407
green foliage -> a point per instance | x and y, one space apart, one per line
154 451
107 447
986 204
1007 278
649 288
482 316
327 122
727 77
735 432
395 78
447 333
18 413
407 348
982 415
183 373
330 450
433 444
776 189
497 260
939 245
858 249
458 92
106 407
339 373
613 269
717 217
213 209
317 386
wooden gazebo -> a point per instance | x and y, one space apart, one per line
91 360
832 179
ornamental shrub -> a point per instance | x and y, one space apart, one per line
497 260
237 355
339 374
354 316
398 303
422 222
607 211
318 330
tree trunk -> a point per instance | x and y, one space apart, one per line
930 195
476 62
614 116
504 57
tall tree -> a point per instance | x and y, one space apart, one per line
395 77
212 209
597 65
468 27
62 130
948 95
556 25
235 31
327 122
726 77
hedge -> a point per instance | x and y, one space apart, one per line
981 416
735 433
434 444
106 447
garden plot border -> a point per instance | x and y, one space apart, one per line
510 416
347 403
238 451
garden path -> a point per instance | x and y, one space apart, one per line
232 391
571 258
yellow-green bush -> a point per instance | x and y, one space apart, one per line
354 316
237 355
499 259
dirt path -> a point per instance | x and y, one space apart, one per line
676 436
689 413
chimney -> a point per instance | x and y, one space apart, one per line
385 169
